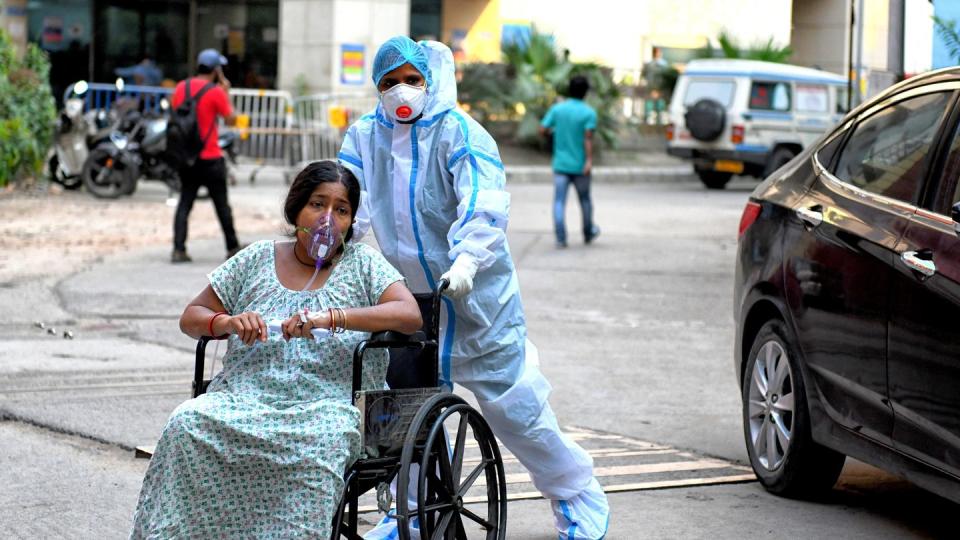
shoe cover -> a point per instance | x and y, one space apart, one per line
584 517
387 529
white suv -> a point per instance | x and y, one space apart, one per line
749 117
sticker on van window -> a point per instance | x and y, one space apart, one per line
812 98
770 96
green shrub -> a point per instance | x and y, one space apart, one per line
27 111
532 76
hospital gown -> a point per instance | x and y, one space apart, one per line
263 452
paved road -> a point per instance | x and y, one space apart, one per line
634 332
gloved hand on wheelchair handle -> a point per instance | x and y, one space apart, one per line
460 276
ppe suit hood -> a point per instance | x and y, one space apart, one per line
442 93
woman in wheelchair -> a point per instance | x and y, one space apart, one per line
263 452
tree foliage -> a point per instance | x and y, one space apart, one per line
730 47
530 79
27 111
947 30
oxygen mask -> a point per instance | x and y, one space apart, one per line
325 236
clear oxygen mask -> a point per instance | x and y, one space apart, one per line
325 237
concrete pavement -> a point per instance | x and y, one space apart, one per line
634 332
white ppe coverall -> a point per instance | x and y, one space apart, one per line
434 189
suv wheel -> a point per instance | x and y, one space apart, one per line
714 179
776 420
778 159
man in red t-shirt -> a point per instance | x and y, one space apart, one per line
209 169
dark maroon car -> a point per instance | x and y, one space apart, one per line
847 298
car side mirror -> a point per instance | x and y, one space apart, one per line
955 215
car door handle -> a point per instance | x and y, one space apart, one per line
922 264
812 216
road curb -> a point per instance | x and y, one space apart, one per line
533 174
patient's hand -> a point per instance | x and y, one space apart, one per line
248 326
300 324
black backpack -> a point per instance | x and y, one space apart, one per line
184 142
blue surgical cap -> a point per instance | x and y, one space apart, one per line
396 52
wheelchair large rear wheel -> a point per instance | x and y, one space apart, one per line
451 503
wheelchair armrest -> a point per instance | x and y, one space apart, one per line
390 339
197 386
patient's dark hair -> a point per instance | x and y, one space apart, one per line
314 174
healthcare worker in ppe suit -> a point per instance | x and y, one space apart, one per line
434 193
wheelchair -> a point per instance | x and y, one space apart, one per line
405 429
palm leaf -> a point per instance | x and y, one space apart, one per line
947 30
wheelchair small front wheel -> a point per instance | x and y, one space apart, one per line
451 503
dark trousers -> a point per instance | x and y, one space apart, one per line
561 183
211 173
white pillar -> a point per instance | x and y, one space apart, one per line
313 33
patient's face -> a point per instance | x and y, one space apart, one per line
329 198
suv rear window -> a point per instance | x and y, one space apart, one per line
719 91
770 96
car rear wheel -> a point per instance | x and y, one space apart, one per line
714 179
776 420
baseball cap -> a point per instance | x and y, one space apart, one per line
211 58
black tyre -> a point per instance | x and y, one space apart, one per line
443 484
56 174
107 177
705 120
776 419
714 179
778 159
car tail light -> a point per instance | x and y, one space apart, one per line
670 128
736 134
750 214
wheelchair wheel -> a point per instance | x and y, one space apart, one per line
445 477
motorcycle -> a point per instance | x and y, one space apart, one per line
70 145
113 165
136 148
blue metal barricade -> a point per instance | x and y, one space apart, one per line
106 95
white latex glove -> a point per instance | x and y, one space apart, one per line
461 275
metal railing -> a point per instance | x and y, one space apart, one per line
266 137
321 119
275 128
106 95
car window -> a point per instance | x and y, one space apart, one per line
770 96
951 176
812 98
826 152
886 154
719 91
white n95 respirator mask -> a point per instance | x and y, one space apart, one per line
404 102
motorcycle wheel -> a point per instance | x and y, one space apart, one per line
106 177
56 174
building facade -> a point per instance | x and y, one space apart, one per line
875 42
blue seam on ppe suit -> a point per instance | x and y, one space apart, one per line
350 159
572 531
464 151
451 319
473 172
